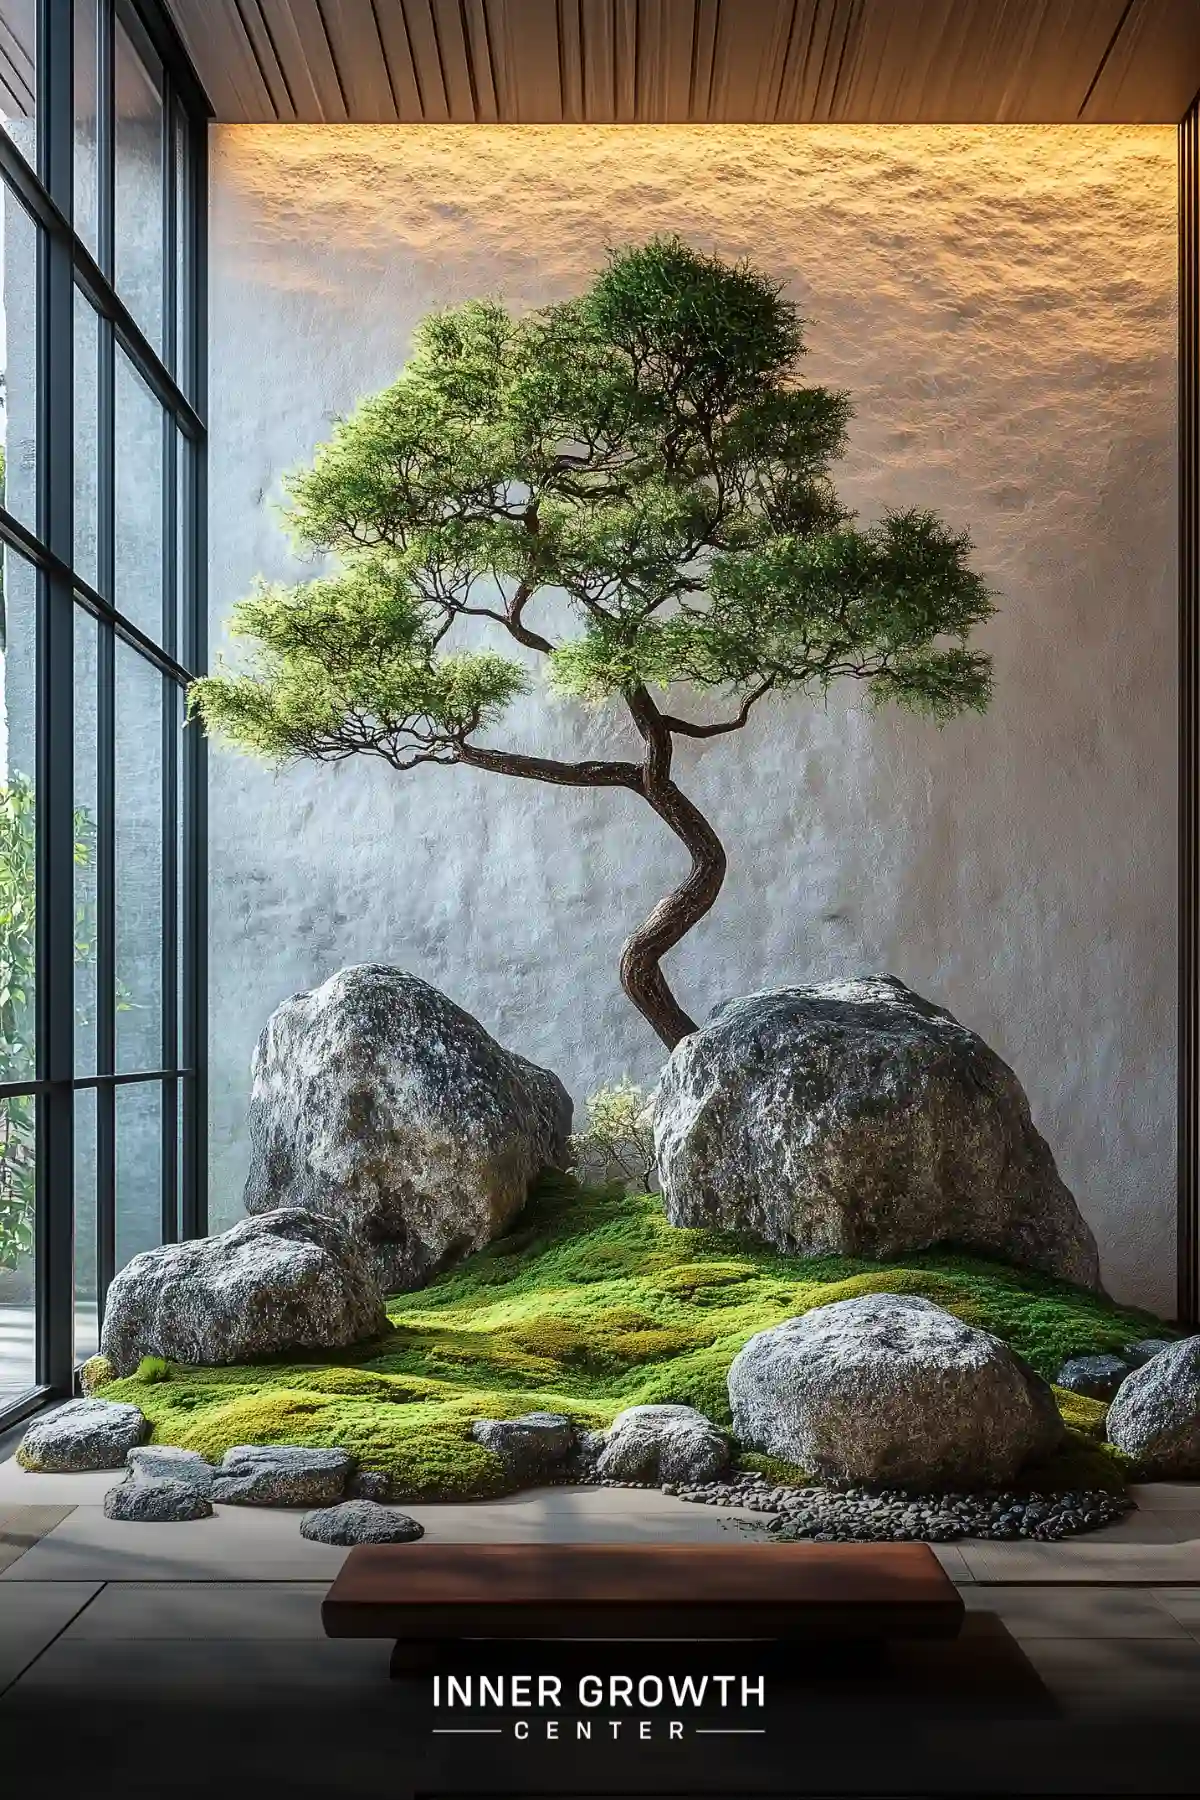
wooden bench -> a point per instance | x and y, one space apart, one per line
430 1596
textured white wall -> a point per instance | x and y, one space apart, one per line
1000 302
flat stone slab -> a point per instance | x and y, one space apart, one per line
156 1502
163 1462
430 1593
360 1522
281 1475
82 1435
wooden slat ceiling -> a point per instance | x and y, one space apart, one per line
658 61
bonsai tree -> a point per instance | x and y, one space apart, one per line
649 452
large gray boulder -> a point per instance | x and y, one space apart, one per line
288 1280
82 1435
1155 1415
889 1388
857 1118
658 1442
379 1102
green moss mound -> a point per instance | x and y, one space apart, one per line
594 1304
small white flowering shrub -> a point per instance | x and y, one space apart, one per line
617 1141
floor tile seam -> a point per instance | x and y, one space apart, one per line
1048 1582
192 1640
65 1626
1084 1637
1081 1581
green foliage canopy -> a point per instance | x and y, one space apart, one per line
648 450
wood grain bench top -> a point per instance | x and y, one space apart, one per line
506 1590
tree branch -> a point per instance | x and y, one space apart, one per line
687 728
533 640
545 768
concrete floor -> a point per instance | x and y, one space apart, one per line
190 1658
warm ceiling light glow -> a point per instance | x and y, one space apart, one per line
1060 220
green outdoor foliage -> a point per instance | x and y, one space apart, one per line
18 941
17 946
649 451
594 1303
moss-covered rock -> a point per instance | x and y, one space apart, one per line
595 1304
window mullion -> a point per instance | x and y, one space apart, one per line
106 957
193 652
55 947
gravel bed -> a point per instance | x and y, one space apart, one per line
847 1515
834 1515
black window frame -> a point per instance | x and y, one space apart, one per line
1188 1045
176 377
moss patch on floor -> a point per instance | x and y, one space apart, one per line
596 1303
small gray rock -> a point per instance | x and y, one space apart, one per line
163 1462
1098 1377
83 1434
1136 1355
529 1447
281 1475
662 1443
360 1522
156 1502
1156 1414
372 1484
580 1465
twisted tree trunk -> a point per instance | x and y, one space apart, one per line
641 956
676 913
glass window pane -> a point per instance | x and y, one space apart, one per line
18 668
18 358
182 258
18 1341
173 700
18 78
139 860
85 438
137 546
85 165
87 1332
87 688
18 862
138 185
139 1168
